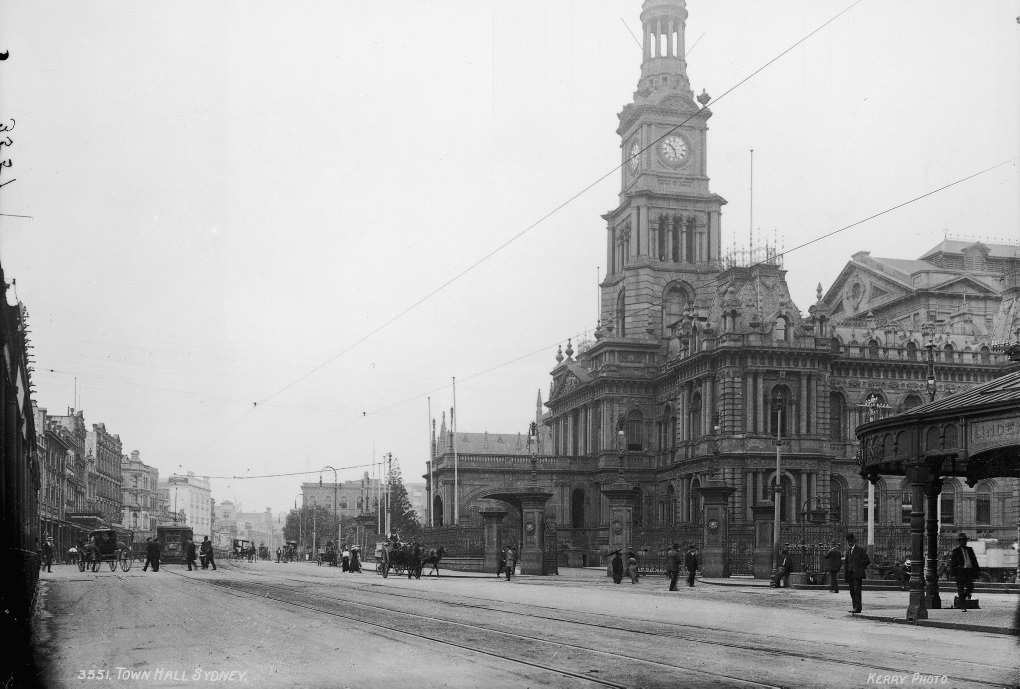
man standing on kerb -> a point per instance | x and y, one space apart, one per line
855 567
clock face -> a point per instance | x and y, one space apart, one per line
674 150
635 157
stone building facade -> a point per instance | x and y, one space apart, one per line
702 360
141 505
105 450
188 499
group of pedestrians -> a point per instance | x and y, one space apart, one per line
191 554
691 564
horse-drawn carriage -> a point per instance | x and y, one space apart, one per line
103 546
406 558
241 548
327 555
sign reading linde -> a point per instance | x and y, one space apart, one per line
984 434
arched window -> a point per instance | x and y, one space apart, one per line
621 314
911 351
577 509
695 340
663 229
873 349
948 353
695 416
695 503
837 412
986 356
635 431
779 332
437 511
837 498
912 400
675 240
674 301
670 516
948 499
983 504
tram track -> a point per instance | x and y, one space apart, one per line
656 635
676 631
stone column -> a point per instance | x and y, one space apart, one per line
716 495
621 514
492 537
533 521
931 565
918 475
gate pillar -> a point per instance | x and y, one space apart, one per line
716 495
621 514
764 516
532 551
492 537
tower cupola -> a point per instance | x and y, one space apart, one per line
663 66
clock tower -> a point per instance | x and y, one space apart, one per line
663 239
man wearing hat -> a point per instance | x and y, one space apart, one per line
673 565
963 566
691 563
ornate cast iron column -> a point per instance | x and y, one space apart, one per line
919 477
931 563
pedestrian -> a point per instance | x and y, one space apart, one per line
691 563
785 567
502 563
345 560
617 567
47 554
279 554
855 569
673 565
207 554
963 566
632 566
190 554
148 554
511 562
356 560
834 561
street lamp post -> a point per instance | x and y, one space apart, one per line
533 446
777 493
301 518
336 486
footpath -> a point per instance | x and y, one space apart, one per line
998 612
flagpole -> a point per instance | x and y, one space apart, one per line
432 460
453 429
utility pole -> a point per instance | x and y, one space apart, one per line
389 473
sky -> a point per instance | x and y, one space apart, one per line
257 239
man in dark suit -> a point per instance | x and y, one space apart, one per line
190 555
857 562
691 563
673 565
963 566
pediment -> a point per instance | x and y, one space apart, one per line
564 384
962 283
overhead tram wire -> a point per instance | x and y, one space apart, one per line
716 281
549 214
523 232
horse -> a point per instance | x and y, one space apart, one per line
433 559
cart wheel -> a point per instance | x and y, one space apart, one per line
385 569
125 560
81 564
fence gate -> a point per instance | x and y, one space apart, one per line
740 550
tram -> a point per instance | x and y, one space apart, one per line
173 538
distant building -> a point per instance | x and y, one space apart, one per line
353 498
416 493
262 528
139 496
105 449
190 498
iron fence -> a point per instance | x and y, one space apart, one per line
459 541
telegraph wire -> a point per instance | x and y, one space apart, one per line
584 190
